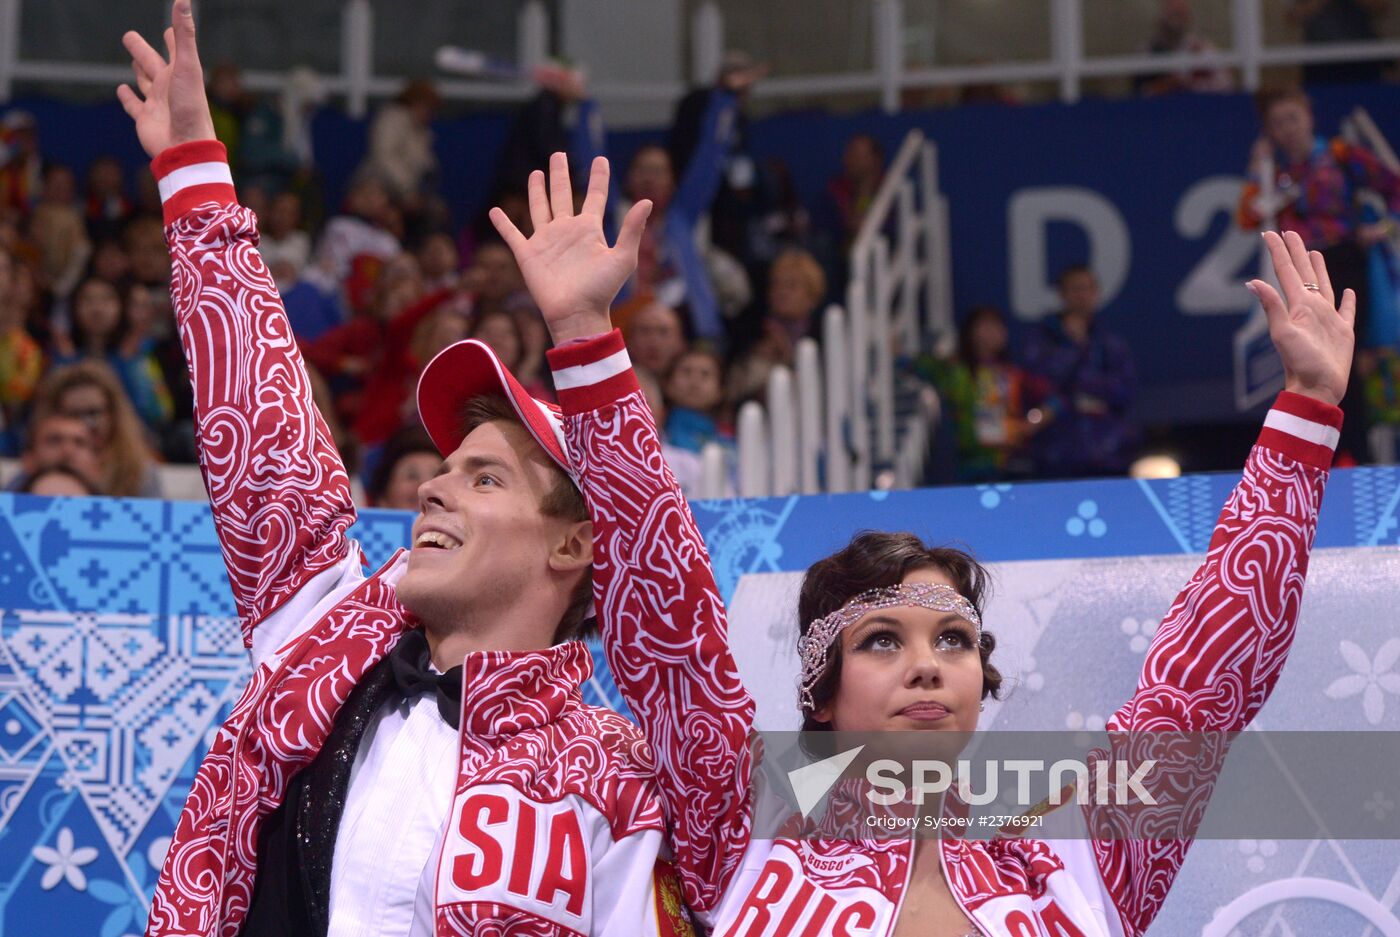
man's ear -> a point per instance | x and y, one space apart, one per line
573 550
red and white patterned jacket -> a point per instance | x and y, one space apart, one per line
1211 666
557 822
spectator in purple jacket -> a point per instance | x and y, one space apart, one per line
1081 382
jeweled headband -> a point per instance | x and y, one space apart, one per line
814 649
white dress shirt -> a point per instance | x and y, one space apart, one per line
396 809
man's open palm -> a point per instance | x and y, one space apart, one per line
571 272
171 108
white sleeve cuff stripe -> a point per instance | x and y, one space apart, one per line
1319 433
585 375
198 174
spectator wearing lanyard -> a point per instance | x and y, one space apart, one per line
1316 184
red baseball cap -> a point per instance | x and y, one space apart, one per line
468 369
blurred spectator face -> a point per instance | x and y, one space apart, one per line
494 275
796 285
141 310
1079 292
861 159
438 256
60 440
369 199
105 178
97 309
58 482
145 245
1289 126
534 334
441 329
254 198
400 266
655 337
284 215
1176 15
21 132
650 176
399 287
497 329
412 470
225 83
989 338
110 263
696 382
88 403
60 185
421 100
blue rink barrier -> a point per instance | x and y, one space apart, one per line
120 655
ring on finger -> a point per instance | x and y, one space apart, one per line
1312 286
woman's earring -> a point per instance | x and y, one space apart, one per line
981 707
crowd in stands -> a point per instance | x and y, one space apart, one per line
734 272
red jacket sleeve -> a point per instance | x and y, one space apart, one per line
664 627
1218 653
280 494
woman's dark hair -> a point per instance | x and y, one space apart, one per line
975 315
407 441
872 560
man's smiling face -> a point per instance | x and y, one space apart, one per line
482 540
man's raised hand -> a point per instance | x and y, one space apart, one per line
571 272
171 108
1314 336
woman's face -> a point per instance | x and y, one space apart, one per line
650 176
110 262
409 472
445 328
908 668
498 331
140 310
988 338
789 294
695 383
88 402
98 309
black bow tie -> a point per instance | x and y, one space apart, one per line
409 661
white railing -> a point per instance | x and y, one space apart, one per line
899 302
1068 66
